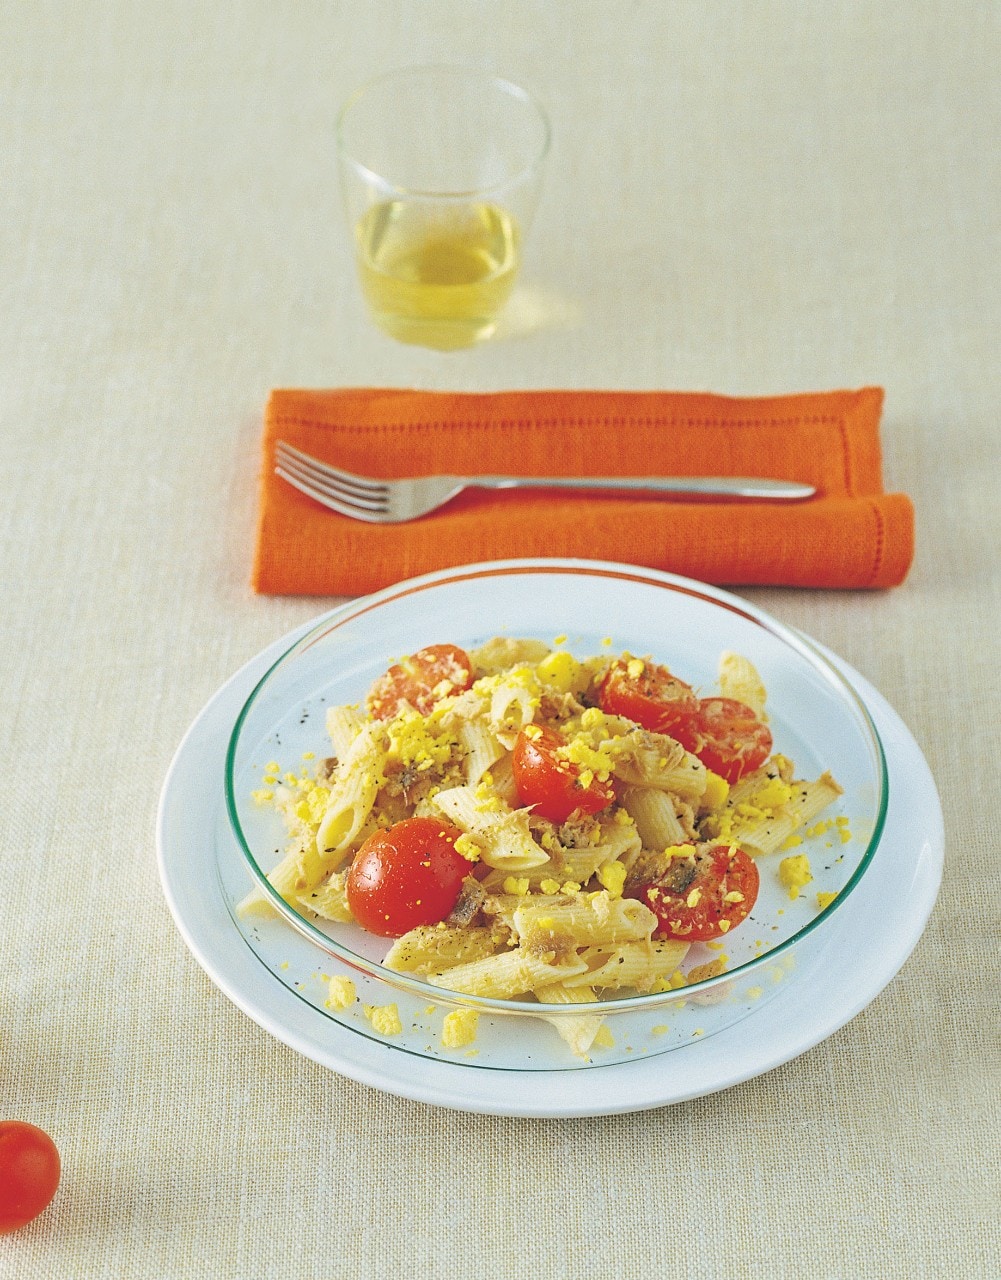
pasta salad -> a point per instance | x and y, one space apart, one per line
520 823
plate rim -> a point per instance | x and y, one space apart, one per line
444 1083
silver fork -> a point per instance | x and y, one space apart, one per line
394 501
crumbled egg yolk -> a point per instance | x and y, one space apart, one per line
459 1028
467 848
678 850
824 900
516 884
414 745
340 992
549 842
612 875
794 873
487 800
561 670
741 817
592 761
772 794
385 1018
312 805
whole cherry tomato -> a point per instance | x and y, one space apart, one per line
406 876
29 1173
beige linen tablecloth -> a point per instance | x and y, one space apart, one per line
748 198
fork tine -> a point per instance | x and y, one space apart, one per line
326 500
365 486
315 484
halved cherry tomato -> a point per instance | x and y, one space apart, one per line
406 876
550 783
29 1173
728 737
703 895
420 680
650 695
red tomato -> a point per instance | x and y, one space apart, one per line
550 783
728 737
406 876
654 698
420 680
690 900
29 1173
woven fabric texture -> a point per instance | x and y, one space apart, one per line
749 198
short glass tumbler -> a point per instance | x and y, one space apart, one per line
441 169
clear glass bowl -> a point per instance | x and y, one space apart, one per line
816 717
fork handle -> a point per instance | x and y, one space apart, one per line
708 486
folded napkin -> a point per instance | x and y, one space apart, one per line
851 534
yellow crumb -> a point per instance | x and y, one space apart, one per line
385 1018
467 847
340 993
794 873
612 875
459 1028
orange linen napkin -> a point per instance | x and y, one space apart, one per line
851 535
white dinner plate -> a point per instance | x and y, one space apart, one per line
874 932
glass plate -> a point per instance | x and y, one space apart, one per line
872 937
815 714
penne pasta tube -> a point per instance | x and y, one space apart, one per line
762 830
428 949
579 1033
352 796
513 703
587 919
503 834
776 770
343 726
655 817
639 965
329 899
502 977
480 748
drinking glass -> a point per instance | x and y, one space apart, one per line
441 169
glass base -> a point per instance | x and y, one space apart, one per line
441 335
